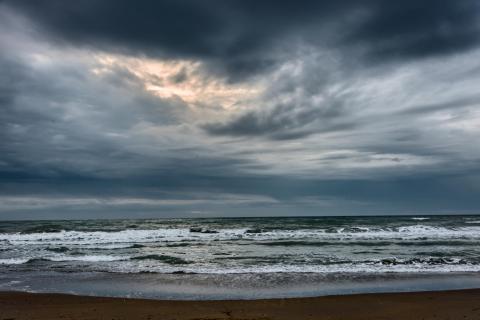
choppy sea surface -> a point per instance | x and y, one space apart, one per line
240 257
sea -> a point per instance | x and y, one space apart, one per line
241 258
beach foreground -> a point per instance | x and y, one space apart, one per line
461 304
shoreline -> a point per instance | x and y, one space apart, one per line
454 304
195 287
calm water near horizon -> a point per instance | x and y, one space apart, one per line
240 257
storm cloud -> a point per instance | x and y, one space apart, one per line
239 34
206 108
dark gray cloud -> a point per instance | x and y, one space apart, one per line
238 36
284 122
410 29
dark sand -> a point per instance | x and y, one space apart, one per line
461 304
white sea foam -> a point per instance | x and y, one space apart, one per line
220 252
473 221
122 238
92 258
131 267
125 265
13 261
86 258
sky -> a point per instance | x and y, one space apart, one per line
204 108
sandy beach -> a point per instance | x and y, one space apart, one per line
461 304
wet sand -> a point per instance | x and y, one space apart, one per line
460 304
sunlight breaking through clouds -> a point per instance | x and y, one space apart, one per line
182 79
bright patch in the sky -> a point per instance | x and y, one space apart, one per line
183 79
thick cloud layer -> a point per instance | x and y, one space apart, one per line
201 108
239 35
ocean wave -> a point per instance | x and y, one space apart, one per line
138 236
45 228
404 246
92 258
58 249
13 261
366 267
310 243
163 258
136 246
370 243
422 261
168 264
96 258
473 221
